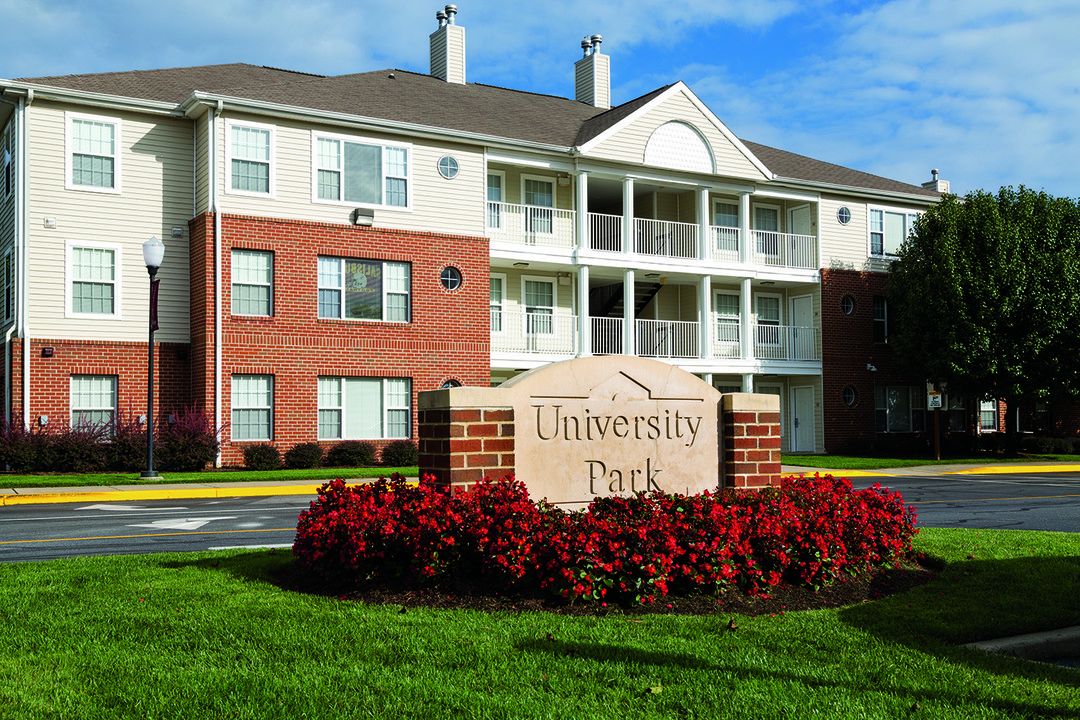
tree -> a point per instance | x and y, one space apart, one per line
985 297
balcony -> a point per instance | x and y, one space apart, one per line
534 332
786 342
530 225
785 250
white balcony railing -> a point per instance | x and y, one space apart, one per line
786 342
785 250
530 225
607 336
538 331
726 342
724 243
666 239
605 232
666 338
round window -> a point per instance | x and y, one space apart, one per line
448 167
843 215
849 396
450 278
847 304
451 383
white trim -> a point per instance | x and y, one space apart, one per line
233 407
69 279
779 306
410 160
796 436
906 212
387 408
385 292
501 278
233 282
69 151
554 282
271 184
112 408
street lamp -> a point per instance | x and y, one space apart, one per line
153 252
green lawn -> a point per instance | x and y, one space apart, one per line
207 636
848 462
319 475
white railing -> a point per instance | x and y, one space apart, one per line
786 342
785 249
724 243
538 331
666 239
605 232
530 225
666 338
607 336
726 342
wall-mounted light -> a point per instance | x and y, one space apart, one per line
46 352
767 282
871 368
652 276
521 264
362 216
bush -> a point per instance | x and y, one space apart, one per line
811 531
351 453
77 450
262 457
400 453
1064 446
1039 445
127 446
304 456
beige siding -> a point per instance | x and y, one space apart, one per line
438 205
628 144
513 303
844 245
202 164
156 196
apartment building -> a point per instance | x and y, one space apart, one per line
336 244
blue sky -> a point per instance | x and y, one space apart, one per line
988 91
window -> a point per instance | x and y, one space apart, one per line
93 400
448 167
498 297
356 408
252 286
93 153
726 218
768 319
251 158
352 171
956 414
843 215
899 409
889 230
988 416
767 230
881 320
450 278
496 181
728 316
363 289
847 304
252 407
539 195
1042 417
93 280
848 395
539 296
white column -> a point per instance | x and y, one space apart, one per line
705 329
628 215
746 325
746 253
629 331
707 377
704 241
584 321
582 180
748 382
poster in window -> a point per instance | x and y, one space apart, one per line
363 289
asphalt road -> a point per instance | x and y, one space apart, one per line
1044 501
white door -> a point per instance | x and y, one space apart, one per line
802 331
802 419
799 247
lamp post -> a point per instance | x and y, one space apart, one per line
153 251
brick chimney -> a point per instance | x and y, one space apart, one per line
448 48
592 75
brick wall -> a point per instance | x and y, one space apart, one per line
461 446
751 440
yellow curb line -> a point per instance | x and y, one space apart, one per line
163 494
1014 469
846 473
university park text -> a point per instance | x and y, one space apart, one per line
552 424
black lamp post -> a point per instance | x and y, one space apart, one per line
153 251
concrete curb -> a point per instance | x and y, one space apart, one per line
1045 646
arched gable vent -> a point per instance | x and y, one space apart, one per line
679 146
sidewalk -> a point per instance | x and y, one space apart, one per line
128 493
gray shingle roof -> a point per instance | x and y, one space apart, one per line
408 97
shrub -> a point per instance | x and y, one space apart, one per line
263 456
80 449
127 444
1064 446
304 456
188 443
400 453
351 453
18 450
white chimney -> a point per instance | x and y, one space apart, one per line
941 186
592 75
448 48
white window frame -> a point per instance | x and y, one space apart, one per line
69 152
501 306
385 291
763 337
229 157
410 162
110 408
530 216
988 406
884 321
734 320
717 201
760 248
269 285
909 220
386 387
233 407
554 305
70 279
497 215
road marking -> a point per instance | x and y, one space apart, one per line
185 511
184 524
251 547
149 535
124 508
1030 497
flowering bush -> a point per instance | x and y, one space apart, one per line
809 531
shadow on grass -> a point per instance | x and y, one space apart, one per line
250 565
614 653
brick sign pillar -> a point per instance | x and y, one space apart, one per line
751 440
466 434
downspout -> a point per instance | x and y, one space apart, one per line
216 210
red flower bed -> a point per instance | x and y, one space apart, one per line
810 531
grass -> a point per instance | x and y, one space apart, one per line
317 475
207 635
849 462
